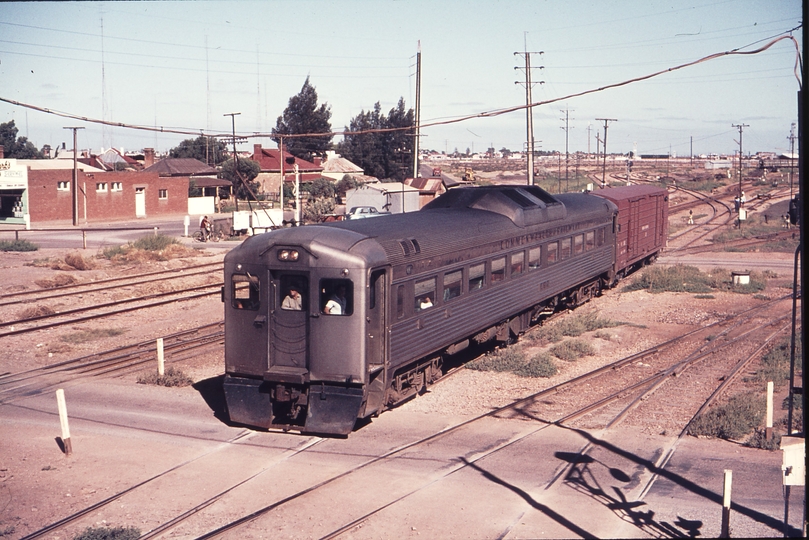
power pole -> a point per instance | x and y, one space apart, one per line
418 113
235 155
74 185
741 129
566 129
588 138
529 111
791 157
604 167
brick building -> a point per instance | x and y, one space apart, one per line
106 196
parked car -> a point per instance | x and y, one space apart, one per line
361 212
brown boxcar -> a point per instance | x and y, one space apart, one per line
641 226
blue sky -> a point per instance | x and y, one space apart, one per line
183 65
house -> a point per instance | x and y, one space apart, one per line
200 175
336 167
429 187
274 163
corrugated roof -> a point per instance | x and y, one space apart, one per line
339 164
181 167
270 161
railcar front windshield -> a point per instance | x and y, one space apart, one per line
337 296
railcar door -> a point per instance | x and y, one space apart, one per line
375 334
289 316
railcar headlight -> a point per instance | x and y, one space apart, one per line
288 255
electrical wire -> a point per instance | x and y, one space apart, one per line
486 114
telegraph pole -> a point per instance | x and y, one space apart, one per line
604 167
791 157
566 129
529 111
418 113
74 186
235 155
741 129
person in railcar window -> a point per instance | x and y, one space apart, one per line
293 300
336 304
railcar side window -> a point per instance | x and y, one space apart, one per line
600 237
589 240
244 292
452 285
533 258
425 294
337 296
476 276
400 296
578 244
517 262
564 249
294 293
498 269
553 252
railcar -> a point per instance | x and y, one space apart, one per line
379 303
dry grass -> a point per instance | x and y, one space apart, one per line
35 311
61 280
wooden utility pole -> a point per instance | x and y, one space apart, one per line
418 113
529 111
604 167
74 185
741 129
235 155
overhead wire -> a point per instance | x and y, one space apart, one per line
438 122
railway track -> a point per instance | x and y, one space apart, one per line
650 373
119 361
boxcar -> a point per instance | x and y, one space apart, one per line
382 301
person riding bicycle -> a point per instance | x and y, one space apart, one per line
205 228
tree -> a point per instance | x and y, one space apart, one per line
302 116
381 145
19 148
206 149
248 170
345 183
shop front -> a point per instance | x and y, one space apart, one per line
13 193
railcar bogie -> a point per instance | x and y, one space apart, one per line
379 304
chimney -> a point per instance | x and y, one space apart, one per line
148 157
316 161
256 150
2 152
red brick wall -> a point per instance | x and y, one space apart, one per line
46 203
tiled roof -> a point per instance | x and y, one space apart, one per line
269 161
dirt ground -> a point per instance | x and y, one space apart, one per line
652 319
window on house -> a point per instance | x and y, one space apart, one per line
162 194
101 186
117 186
533 258
63 186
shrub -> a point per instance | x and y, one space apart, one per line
541 365
113 251
738 417
573 327
17 245
678 278
154 242
775 364
572 349
84 336
759 440
109 533
171 377
508 359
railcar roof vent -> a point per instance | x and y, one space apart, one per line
410 245
524 205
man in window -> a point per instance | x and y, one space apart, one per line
292 301
336 305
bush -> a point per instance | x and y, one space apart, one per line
541 365
154 242
109 533
572 349
775 364
759 440
78 262
509 359
17 245
573 327
85 336
678 278
171 377
738 417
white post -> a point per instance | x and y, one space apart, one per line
769 411
297 196
186 223
725 533
161 366
62 406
